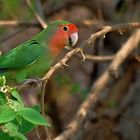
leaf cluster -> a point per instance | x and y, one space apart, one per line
16 120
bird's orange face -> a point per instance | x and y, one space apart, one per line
66 35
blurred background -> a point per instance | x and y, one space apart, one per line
117 115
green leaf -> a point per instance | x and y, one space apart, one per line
2 81
16 95
33 116
12 130
18 136
5 136
37 108
25 126
7 114
2 98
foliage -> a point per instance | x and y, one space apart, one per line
15 119
14 10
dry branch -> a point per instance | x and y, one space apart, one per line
120 28
13 23
79 124
99 58
38 17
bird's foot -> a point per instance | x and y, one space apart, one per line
34 82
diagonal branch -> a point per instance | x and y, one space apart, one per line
79 124
88 42
83 45
38 17
121 28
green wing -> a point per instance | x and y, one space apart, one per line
21 56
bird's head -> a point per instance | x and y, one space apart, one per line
64 34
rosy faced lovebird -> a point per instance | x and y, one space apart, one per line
34 57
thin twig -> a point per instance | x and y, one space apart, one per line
39 8
121 28
95 58
42 98
99 58
13 23
38 17
61 63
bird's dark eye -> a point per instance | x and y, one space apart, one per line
65 28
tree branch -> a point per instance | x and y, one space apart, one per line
14 23
120 28
99 58
82 117
79 124
38 17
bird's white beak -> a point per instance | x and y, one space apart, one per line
74 38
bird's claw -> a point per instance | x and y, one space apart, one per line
34 82
83 56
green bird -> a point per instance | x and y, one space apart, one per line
33 58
